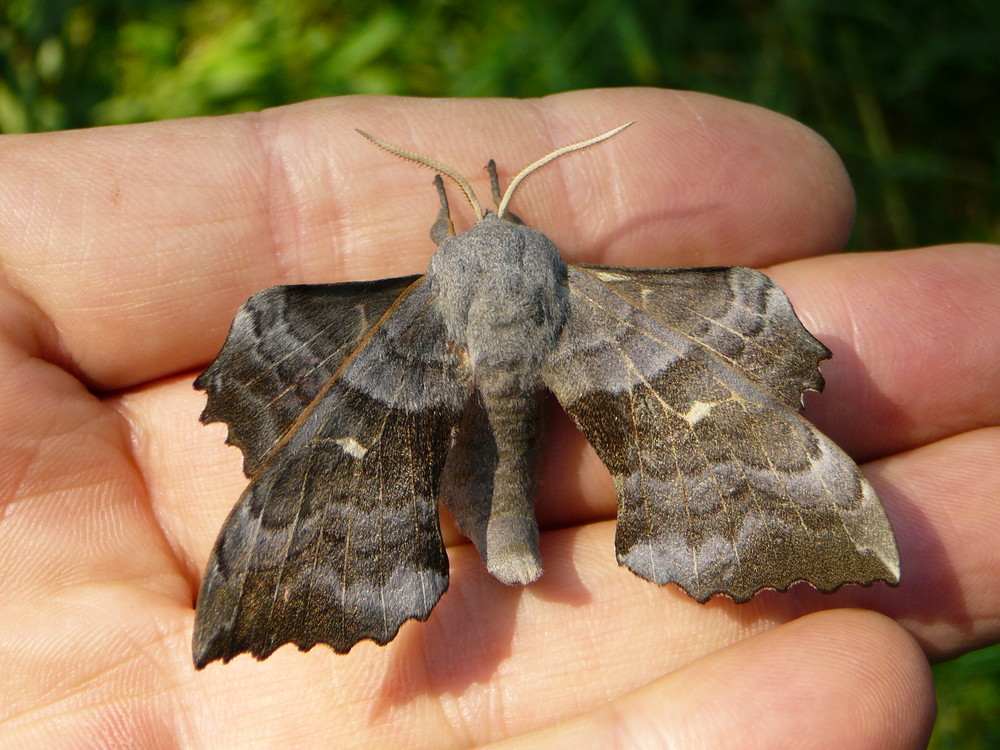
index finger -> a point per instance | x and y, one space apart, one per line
135 245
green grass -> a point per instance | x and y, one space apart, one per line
908 97
968 702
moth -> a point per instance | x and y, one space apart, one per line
358 406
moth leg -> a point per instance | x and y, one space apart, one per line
489 481
443 227
510 216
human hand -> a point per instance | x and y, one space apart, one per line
126 252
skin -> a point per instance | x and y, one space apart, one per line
125 253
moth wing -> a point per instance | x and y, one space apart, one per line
336 539
722 487
284 345
738 314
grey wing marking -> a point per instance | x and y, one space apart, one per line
336 539
284 345
722 487
736 313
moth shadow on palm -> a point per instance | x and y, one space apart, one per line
472 630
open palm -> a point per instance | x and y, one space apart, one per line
125 253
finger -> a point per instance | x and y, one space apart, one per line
553 652
914 340
845 678
139 242
915 343
887 362
941 500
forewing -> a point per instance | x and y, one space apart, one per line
336 539
285 344
722 486
738 314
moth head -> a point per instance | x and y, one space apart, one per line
470 195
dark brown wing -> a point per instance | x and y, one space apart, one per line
738 314
336 539
285 344
722 486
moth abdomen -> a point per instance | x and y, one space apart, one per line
490 476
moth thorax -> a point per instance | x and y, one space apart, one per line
501 291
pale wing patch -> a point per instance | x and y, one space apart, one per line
351 447
698 411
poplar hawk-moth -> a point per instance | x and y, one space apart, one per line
358 406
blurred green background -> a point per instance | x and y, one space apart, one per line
908 97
